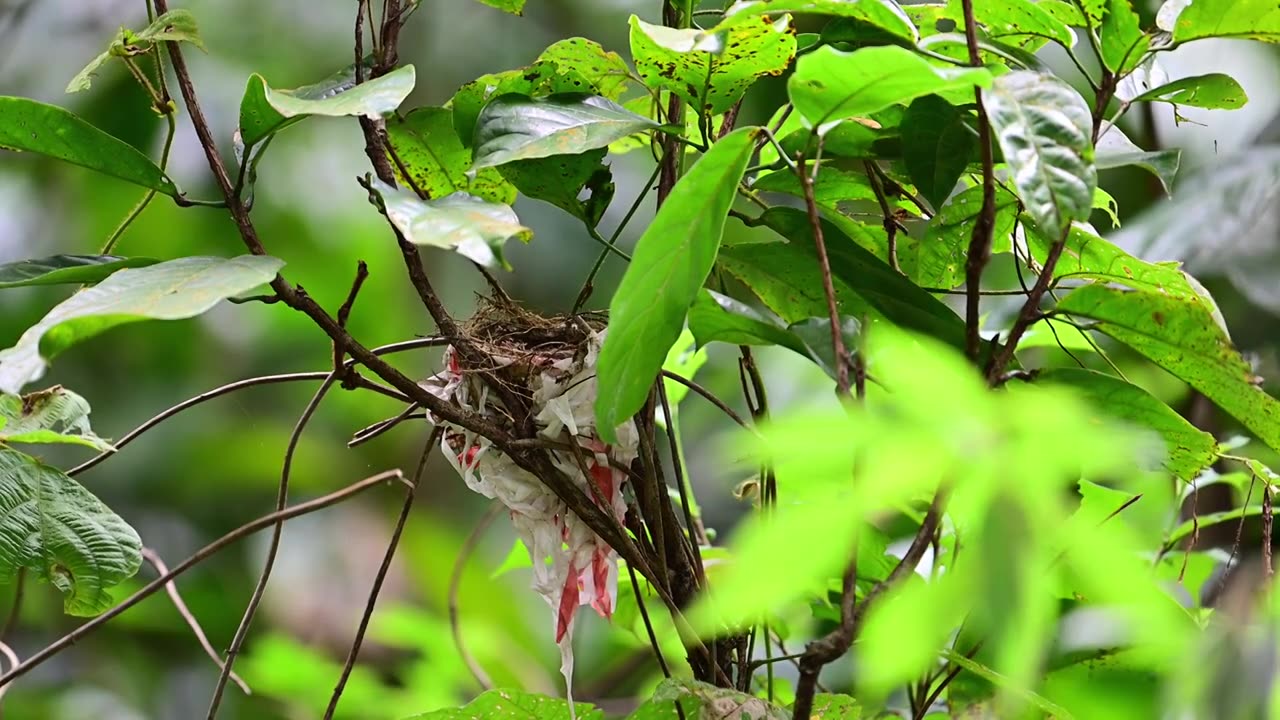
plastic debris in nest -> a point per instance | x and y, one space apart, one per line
552 364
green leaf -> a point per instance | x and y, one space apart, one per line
514 705
606 71
1115 149
1087 255
833 187
469 226
1052 709
171 290
1190 449
684 361
1184 338
1123 43
83 80
709 71
265 111
436 160
517 127
65 269
883 14
27 125
830 85
1007 20
513 7
544 77
517 559
827 706
173 26
561 180
1245 19
1206 520
939 257
937 145
51 416
1045 131
52 526
1215 91
671 261
710 702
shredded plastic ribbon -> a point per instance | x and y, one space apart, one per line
583 569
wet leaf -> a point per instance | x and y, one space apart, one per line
265 111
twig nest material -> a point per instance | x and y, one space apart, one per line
550 363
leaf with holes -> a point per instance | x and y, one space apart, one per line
1045 131
1190 450
1123 44
467 225
265 111
172 290
52 526
1214 91
518 127
882 14
711 71
671 262
830 85
937 145
1115 149
937 259
1012 21
606 71
436 161
1241 19
51 416
514 705
30 126
65 269
1183 338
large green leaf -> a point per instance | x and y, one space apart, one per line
670 264
1045 131
437 162
606 71
514 705
1115 149
834 186
51 525
1215 91
171 290
831 85
469 226
709 71
1190 450
518 127
514 7
27 125
937 259
174 26
51 416
1245 19
937 145
786 279
544 77
1123 43
1012 21
65 269
561 180
265 110
1183 338
883 14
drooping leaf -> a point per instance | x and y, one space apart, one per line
605 70
52 526
30 126
834 186
1115 149
1123 43
518 127
1183 338
831 85
882 14
711 71
265 111
1190 450
172 290
1013 21
514 7
1215 91
671 261
176 25
561 180
937 145
1045 131
937 259
65 269
514 705
542 78
785 278
436 160
51 416
1243 19
467 225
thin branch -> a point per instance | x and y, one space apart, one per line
282 496
890 223
684 488
1029 313
585 293
980 241
383 569
212 548
710 397
455 583
15 610
824 265
366 434
175 597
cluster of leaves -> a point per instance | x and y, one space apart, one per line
882 140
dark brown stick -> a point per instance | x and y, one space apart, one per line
980 242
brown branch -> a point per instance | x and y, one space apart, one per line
175 597
1029 313
383 569
980 241
830 647
203 553
824 265
709 397
15 610
890 223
